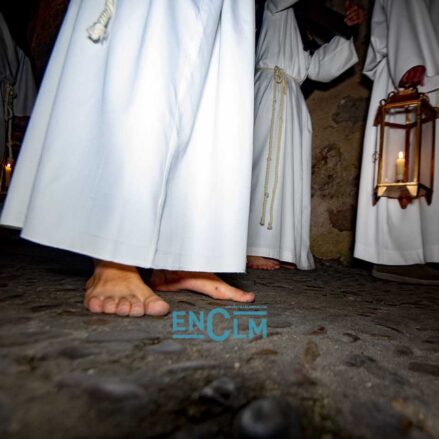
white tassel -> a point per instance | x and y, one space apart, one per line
98 31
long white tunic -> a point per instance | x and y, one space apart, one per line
285 234
15 70
402 37
139 149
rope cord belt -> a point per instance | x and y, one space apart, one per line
8 115
279 86
98 31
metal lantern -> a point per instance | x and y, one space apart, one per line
405 147
7 161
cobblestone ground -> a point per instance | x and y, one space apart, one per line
347 356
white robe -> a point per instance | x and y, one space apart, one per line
402 37
139 149
15 70
280 45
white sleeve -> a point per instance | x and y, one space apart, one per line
332 59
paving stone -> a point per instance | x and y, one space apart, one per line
166 347
72 352
359 360
127 335
43 308
7 296
321 330
203 431
350 338
265 352
11 339
190 365
13 319
268 418
278 323
7 365
5 417
100 387
425 368
186 302
403 351
379 421
116 389
223 390
311 353
93 320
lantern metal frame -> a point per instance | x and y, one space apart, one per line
7 161
409 101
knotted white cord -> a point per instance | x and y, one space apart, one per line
279 77
279 81
98 31
269 156
9 115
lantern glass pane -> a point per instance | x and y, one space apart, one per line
426 154
399 142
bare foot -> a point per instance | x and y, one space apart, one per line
204 283
119 289
288 265
260 263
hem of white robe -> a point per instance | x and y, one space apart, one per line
137 255
395 257
282 255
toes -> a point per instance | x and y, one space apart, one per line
120 290
123 307
109 305
264 264
156 307
132 306
137 307
264 267
248 297
94 304
226 292
240 296
100 305
289 266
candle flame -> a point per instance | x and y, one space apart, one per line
8 166
401 155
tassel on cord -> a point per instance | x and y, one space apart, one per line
98 31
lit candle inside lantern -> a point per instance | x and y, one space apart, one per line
400 166
8 172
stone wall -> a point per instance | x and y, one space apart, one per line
338 112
